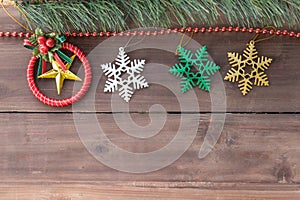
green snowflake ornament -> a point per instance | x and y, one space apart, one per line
199 60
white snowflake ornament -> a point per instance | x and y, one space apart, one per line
115 71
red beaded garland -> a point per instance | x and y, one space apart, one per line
163 31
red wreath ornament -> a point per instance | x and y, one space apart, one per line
46 48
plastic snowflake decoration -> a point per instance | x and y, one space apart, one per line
250 59
204 67
115 71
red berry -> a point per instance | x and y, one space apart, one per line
50 42
41 40
43 49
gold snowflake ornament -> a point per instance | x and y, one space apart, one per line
241 63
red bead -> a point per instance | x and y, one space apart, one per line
250 30
28 35
169 31
298 35
264 31
21 34
278 32
43 49
189 29
292 34
244 29
203 30
230 28
155 33
1 34
94 34
134 33
175 30
162 32
271 32
257 31
148 33
182 30
285 32
50 42
81 34
217 29
142 33
41 40
223 29
101 34
237 29
87 34
196 30
68 34
7 34
128 33
15 34
74 34
107 33
115 33
210 29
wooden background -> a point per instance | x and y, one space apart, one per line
256 157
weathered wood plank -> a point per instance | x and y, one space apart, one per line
252 148
103 190
282 95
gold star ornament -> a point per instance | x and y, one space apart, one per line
60 75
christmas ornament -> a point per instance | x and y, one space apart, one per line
49 48
59 75
114 72
249 60
204 69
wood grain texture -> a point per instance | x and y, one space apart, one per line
256 156
252 148
122 191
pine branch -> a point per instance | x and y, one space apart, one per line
115 15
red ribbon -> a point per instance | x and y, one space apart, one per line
60 62
28 44
44 66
